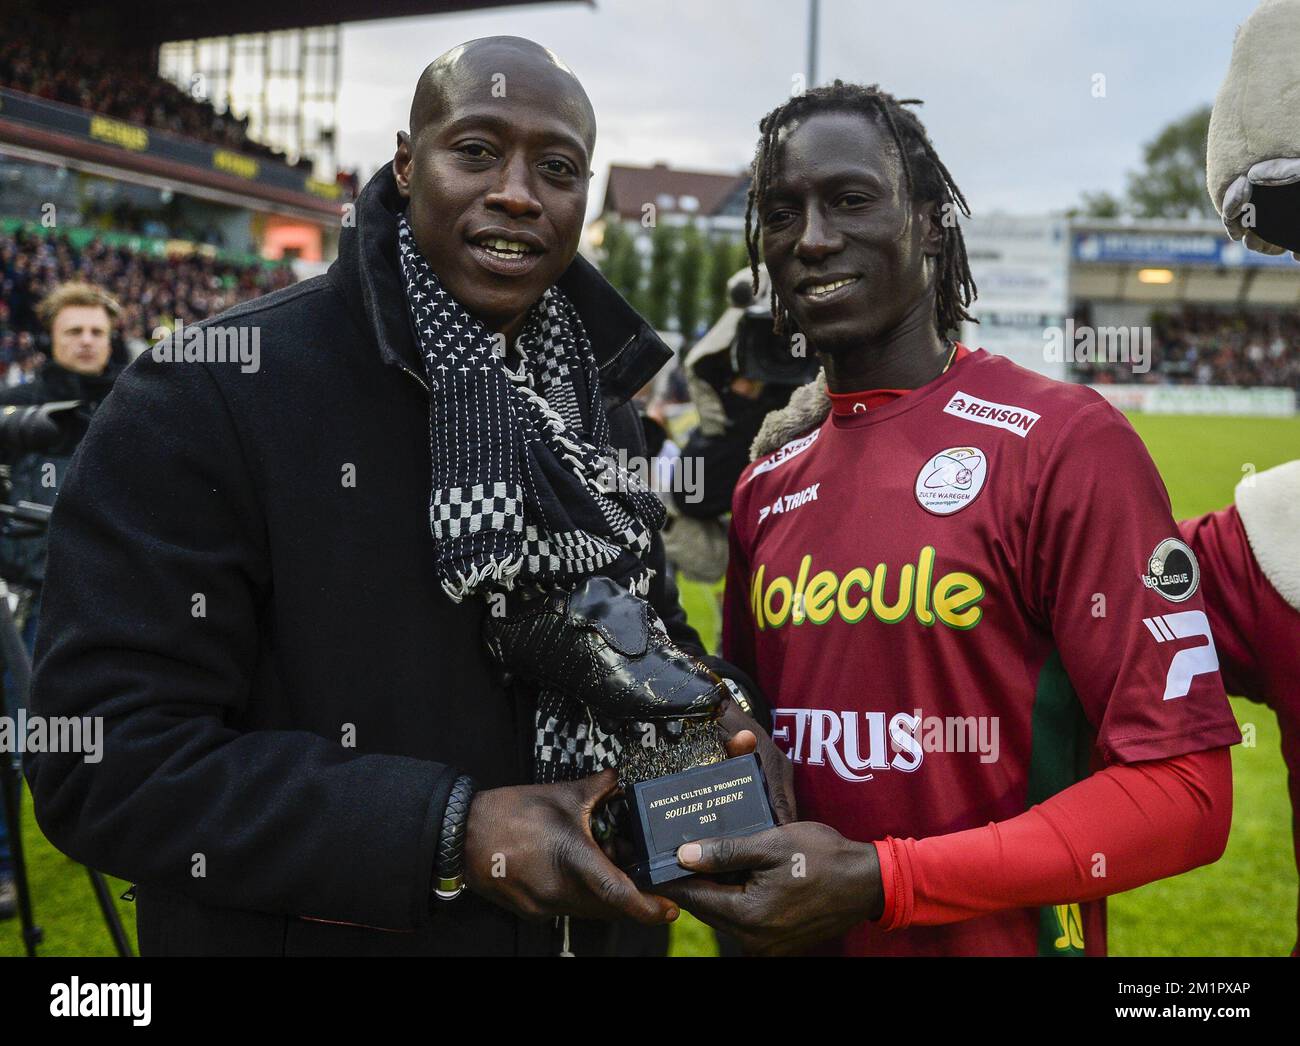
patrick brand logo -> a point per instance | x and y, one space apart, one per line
789 502
986 412
1189 662
92 999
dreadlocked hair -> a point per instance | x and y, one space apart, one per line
927 178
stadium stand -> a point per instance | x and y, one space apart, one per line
1196 345
153 289
36 57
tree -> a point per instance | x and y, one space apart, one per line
724 262
658 305
690 273
1099 205
1171 183
622 263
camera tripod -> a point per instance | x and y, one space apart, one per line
28 519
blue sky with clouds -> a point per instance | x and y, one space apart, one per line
1007 83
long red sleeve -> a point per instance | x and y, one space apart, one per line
1124 826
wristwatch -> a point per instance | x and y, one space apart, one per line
738 696
449 869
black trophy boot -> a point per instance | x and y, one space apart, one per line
606 647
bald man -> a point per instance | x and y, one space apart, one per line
306 749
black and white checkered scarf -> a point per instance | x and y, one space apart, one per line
526 487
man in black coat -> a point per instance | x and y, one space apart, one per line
242 584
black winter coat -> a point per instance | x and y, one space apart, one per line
241 583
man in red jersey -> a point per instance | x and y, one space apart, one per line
963 594
1249 553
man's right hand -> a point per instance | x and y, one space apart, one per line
530 849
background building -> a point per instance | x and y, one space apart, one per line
1162 315
668 239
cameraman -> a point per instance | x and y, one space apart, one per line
737 374
82 367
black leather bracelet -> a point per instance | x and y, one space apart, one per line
449 868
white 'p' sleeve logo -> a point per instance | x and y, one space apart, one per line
1190 662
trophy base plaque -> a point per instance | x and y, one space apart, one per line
727 798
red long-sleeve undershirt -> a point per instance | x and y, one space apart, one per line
1124 826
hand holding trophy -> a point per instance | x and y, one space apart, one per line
607 648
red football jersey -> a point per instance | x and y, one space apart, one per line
1258 636
959 604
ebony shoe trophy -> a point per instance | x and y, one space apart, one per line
607 647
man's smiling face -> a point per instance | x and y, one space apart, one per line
845 247
496 170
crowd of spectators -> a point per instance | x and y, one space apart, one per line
165 223
39 57
153 291
1198 345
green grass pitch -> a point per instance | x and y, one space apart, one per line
1243 905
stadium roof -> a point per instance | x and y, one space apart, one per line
157 21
